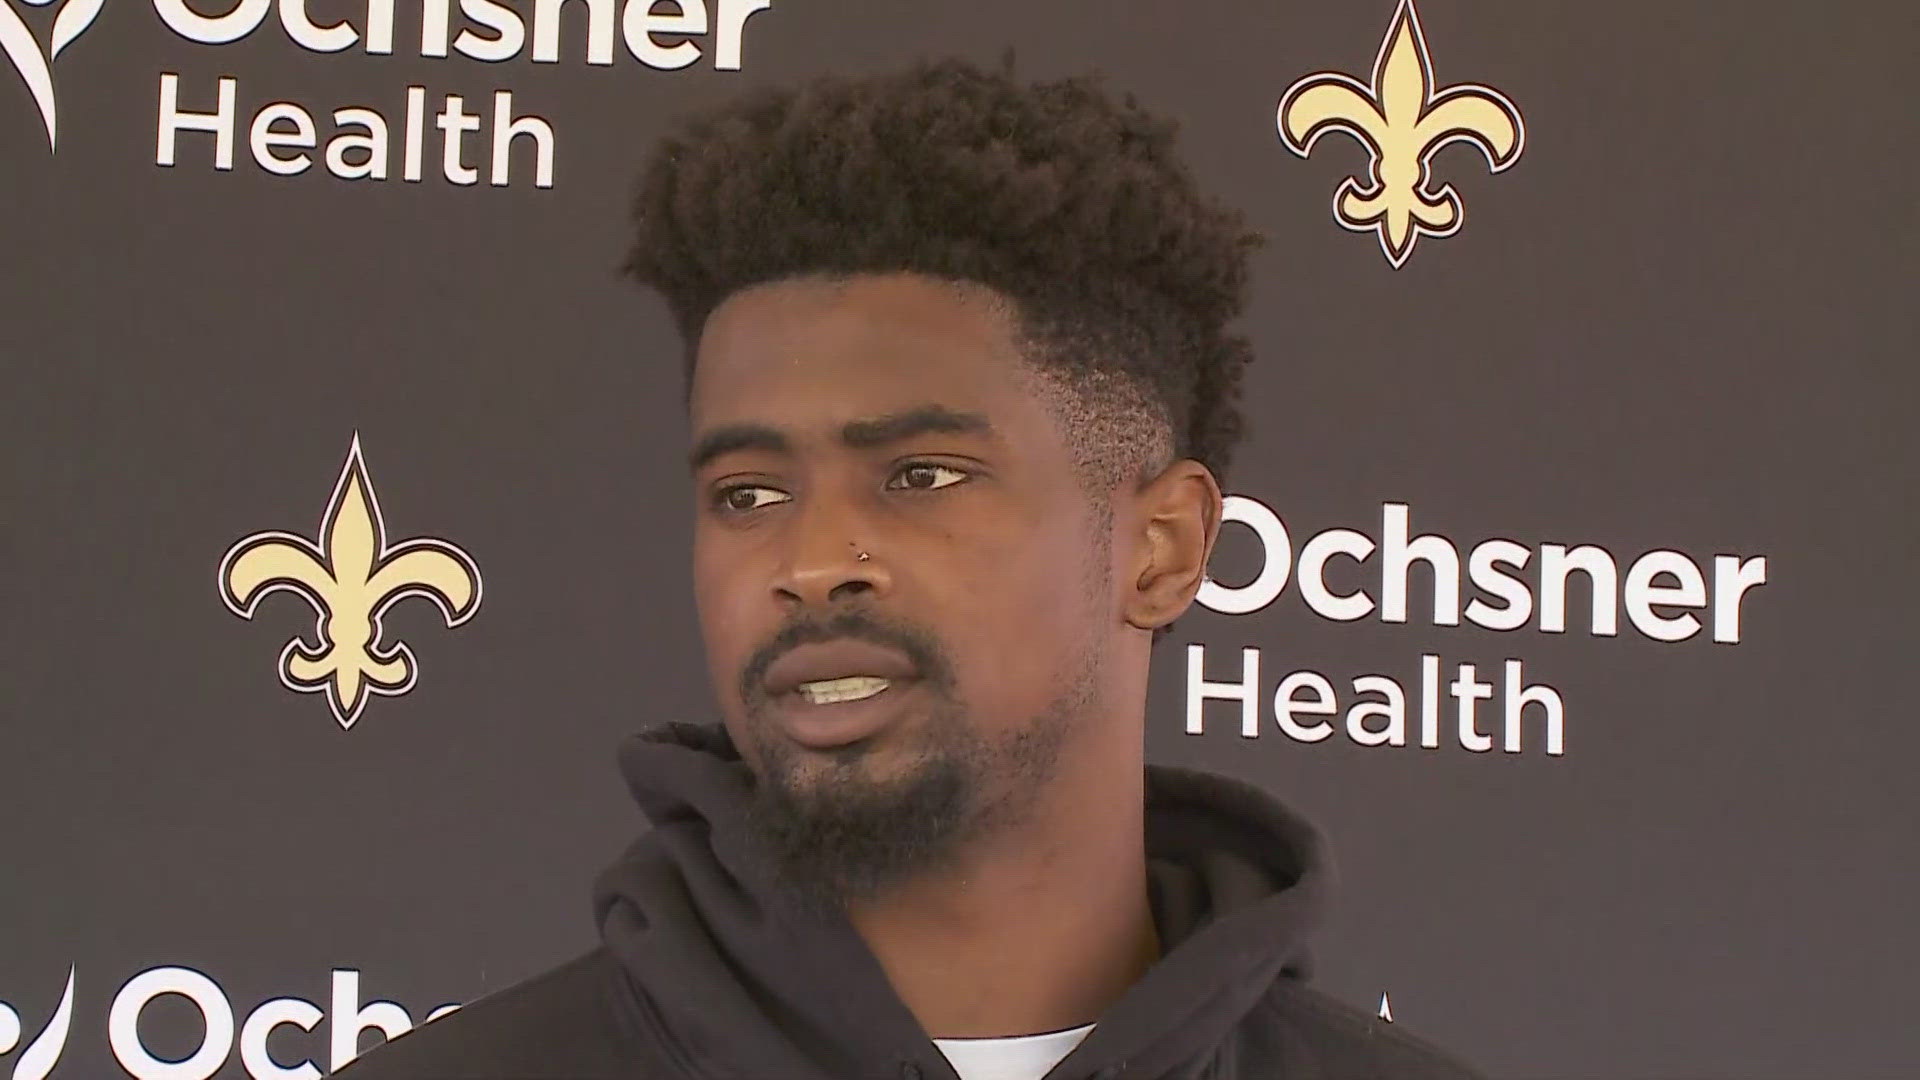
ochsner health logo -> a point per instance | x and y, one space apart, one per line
44 1051
35 69
327 1031
465 123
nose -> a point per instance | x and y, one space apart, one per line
826 563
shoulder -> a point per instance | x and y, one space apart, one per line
1318 1036
557 1024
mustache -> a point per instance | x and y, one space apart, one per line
919 647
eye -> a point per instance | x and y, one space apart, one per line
927 468
726 498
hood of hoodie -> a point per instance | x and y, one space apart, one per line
740 982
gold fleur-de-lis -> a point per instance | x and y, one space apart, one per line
1402 122
350 580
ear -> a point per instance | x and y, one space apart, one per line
1178 520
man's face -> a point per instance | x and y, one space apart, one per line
890 416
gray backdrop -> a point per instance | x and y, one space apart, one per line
1682 320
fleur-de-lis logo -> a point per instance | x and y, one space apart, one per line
37 70
351 578
1402 122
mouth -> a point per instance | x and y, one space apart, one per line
837 712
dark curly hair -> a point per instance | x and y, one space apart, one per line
1072 206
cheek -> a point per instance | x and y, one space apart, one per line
722 581
723 602
1027 618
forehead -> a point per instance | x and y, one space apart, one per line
812 353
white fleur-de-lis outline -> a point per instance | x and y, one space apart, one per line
40 1056
35 69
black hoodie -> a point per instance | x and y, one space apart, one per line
706 971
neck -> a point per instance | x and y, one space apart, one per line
1037 929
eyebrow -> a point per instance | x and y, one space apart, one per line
857 434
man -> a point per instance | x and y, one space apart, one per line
961 394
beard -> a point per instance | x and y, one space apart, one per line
845 836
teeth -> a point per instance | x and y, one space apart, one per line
851 688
